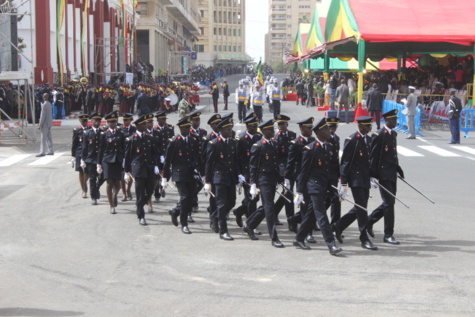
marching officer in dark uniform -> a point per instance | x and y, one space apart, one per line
222 172
166 132
213 123
199 134
110 158
182 164
265 175
283 138
313 180
141 164
89 155
127 129
333 199
384 170
243 148
294 166
355 173
76 152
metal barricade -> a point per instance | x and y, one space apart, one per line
467 121
402 119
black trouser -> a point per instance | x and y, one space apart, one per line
258 111
276 107
265 211
215 105
318 213
376 113
333 199
386 209
225 102
281 202
95 180
225 201
241 111
186 190
212 201
143 191
249 206
360 196
310 100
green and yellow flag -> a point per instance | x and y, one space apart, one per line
315 36
298 43
260 75
341 23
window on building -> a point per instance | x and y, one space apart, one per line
142 8
202 13
224 31
215 48
239 32
214 31
239 48
229 48
175 26
234 32
229 32
224 48
200 48
219 48
202 31
215 17
219 31
234 48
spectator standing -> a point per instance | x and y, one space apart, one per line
343 93
455 107
375 104
215 94
411 105
333 87
45 125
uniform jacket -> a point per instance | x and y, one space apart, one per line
263 166
166 133
78 139
354 166
334 157
243 150
299 88
143 104
204 147
111 147
90 145
384 160
313 178
181 159
221 163
283 144
411 105
225 90
140 155
294 159
128 130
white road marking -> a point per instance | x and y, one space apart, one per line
13 159
464 148
46 159
438 151
406 152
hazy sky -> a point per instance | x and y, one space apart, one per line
256 27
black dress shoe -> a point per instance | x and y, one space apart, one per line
142 222
150 211
238 218
249 232
174 215
292 224
213 224
226 236
257 231
334 250
278 222
310 239
337 233
300 245
369 229
390 240
368 245
185 230
277 243
190 219
40 155
94 202
49 153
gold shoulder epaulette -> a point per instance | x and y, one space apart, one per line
74 129
293 142
255 144
307 147
375 133
348 138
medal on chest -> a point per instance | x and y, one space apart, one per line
221 155
110 140
386 148
90 141
179 153
138 150
267 156
361 153
80 139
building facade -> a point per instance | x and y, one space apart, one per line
166 34
284 19
222 40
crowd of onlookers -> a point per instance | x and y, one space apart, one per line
206 75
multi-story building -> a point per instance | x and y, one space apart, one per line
222 40
166 34
284 19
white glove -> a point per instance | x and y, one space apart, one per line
127 178
164 182
207 188
343 191
374 182
162 159
156 170
72 161
287 183
99 169
241 179
83 164
298 199
253 191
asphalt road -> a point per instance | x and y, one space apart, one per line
60 256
